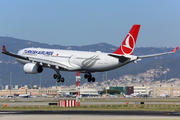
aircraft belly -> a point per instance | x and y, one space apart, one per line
22 61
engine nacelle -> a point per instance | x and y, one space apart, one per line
32 68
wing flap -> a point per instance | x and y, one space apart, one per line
49 63
55 64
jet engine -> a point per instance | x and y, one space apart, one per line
32 68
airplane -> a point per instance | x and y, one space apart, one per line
164 95
127 96
24 95
131 95
144 95
35 59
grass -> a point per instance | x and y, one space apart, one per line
130 107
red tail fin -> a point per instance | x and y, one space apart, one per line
3 48
128 45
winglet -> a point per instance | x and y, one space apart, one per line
3 48
174 50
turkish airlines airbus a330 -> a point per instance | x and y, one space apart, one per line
34 59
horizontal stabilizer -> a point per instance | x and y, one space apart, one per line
159 54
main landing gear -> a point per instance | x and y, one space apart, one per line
58 77
89 77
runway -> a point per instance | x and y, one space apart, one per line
89 115
85 117
86 112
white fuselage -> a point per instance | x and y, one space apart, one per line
76 60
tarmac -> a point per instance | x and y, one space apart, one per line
86 117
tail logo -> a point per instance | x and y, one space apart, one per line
128 45
3 48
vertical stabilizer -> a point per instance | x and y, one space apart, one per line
128 45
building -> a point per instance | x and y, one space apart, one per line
143 89
33 92
171 91
126 90
84 92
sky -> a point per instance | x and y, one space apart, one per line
85 22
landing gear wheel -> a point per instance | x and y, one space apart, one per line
93 79
86 76
62 80
58 77
58 80
55 76
89 79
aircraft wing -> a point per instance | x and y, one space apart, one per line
50 63
158 54
4 51
42 62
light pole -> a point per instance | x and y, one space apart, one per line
104 80
165 73
40 80
1 84
10 81
106 83
31 81
57 83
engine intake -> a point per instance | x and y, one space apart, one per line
32 68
